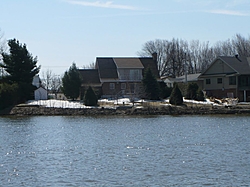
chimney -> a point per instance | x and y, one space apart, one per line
154 55
237 56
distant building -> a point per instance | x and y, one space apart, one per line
40 93
121 76
228 76
190 78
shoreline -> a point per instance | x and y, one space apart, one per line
35 110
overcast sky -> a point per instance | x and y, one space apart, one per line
60 32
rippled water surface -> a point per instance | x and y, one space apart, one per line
125 151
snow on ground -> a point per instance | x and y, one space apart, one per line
207 102
57 103
126 101
116 101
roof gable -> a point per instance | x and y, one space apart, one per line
228 65
240 64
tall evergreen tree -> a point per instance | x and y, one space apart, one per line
151 85
71 82
20 67
19 63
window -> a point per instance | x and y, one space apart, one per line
130 74
219 80
123 86
112 86
232 80
208 81
132 88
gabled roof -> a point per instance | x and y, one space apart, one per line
89 76
241 65
128 63
107 68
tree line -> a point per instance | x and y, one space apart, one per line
176 56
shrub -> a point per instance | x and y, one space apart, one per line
192 91
200 95
8 95
90 98
165 90
176 97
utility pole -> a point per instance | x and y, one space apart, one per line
185 65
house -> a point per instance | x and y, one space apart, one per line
228 76
189 78
118 76
40 93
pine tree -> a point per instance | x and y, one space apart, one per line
90 98
151 86
19 64
176 97
20 67
71 82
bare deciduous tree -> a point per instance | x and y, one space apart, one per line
89 66
51 81
177 56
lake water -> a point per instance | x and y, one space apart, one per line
125 151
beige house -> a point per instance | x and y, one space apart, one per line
228 76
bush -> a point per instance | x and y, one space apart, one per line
90 98
165 90
176 97
8 95
192 91
200 95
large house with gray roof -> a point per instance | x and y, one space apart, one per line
228 76
118 76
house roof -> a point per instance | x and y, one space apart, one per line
190 78
128 63
107 68
90 76
148 62
240 64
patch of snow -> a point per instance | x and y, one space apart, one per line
57 103
207 102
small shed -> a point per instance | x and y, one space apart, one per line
41 94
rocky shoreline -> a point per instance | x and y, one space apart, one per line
126 110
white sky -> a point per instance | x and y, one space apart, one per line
60 32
